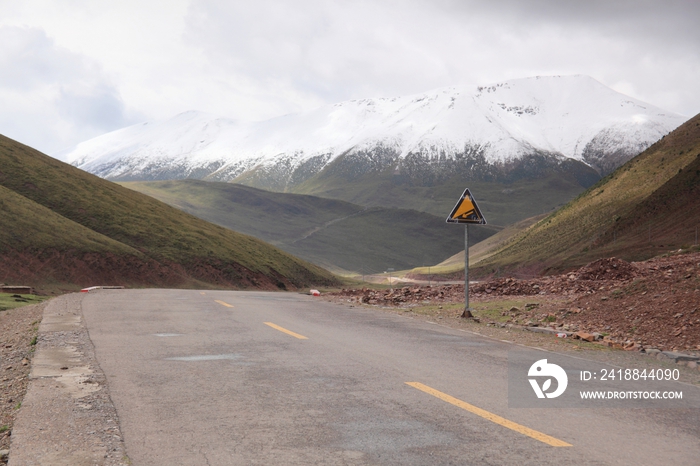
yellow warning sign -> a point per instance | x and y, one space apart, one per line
466 211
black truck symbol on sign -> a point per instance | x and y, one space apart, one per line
466 211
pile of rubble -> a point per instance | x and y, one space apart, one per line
586 280
415 294
651 304
606 269
507 286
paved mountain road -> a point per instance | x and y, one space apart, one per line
227 378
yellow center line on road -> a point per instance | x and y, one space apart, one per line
284 330
223 303
490 416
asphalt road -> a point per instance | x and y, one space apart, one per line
229 378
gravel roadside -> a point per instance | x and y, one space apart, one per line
66 417
18 328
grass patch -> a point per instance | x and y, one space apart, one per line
8 301
491 311
494 310
637 286
617 294
435 310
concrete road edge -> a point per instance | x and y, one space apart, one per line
67 416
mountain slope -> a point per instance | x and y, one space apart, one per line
186 248
335 234
502 202
667 219
480 131
27 225
647 206
41 248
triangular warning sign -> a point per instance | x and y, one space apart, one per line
466 211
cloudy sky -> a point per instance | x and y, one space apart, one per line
74 69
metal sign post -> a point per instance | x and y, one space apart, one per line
467 310
466 211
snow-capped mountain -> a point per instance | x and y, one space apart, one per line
471 130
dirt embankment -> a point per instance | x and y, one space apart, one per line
655 303
39 268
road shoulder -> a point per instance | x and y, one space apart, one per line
67 416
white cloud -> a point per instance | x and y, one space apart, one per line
339 50
51 96
75 68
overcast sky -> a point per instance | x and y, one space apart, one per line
74 69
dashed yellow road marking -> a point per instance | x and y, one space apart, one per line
284 330
490 416
223 303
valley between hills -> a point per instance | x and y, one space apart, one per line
340 236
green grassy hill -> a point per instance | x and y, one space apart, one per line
28 225
667 219
102 220
647 206
335 234
503 200
42 248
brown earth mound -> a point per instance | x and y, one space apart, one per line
607 269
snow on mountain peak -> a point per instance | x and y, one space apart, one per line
559 115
